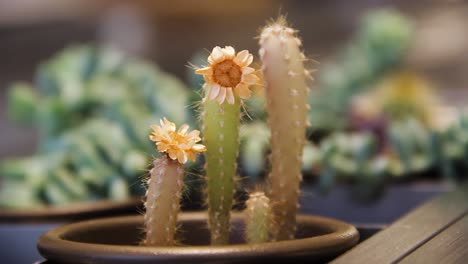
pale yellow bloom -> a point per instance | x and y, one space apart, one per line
180 144
228 75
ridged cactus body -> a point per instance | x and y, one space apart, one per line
221 137
227 81
257 218
286 92
163 202
164 191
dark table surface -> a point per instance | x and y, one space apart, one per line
436 232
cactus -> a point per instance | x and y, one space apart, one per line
257 218
227 81
286 92
221 131
165 185
163 202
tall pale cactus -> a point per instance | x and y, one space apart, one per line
227 81
286 91
166 181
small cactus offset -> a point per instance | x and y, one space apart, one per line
227 81
257 218
165 184
286 92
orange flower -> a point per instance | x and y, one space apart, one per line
178 144
228 74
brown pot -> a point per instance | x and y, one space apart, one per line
71 212
115 240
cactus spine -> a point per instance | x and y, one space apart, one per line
286 92
163 202
257 218
221 133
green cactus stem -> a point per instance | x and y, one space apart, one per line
257 218
286 93
221 137
163 202
227 81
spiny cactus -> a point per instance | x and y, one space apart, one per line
163 202
286 92
164 192
227 81
257 218
220 128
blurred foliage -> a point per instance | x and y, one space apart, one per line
377 48
93 108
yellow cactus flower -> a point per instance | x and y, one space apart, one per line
228 74
179 145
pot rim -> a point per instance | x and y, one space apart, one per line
341 237
73 211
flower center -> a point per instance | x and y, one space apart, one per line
178 139
227 73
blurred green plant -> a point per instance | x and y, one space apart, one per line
93 108
377 48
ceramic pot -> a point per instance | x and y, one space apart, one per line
115 240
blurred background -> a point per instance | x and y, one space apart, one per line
170 32
411 54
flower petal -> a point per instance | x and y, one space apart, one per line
199 147
229 52
183 129
248 70
182 157
214 91
217 55
250 78
204 71
221 96
249 60
243 91
241 57
230 96
172 154
167 125
194 136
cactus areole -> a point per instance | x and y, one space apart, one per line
286 92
